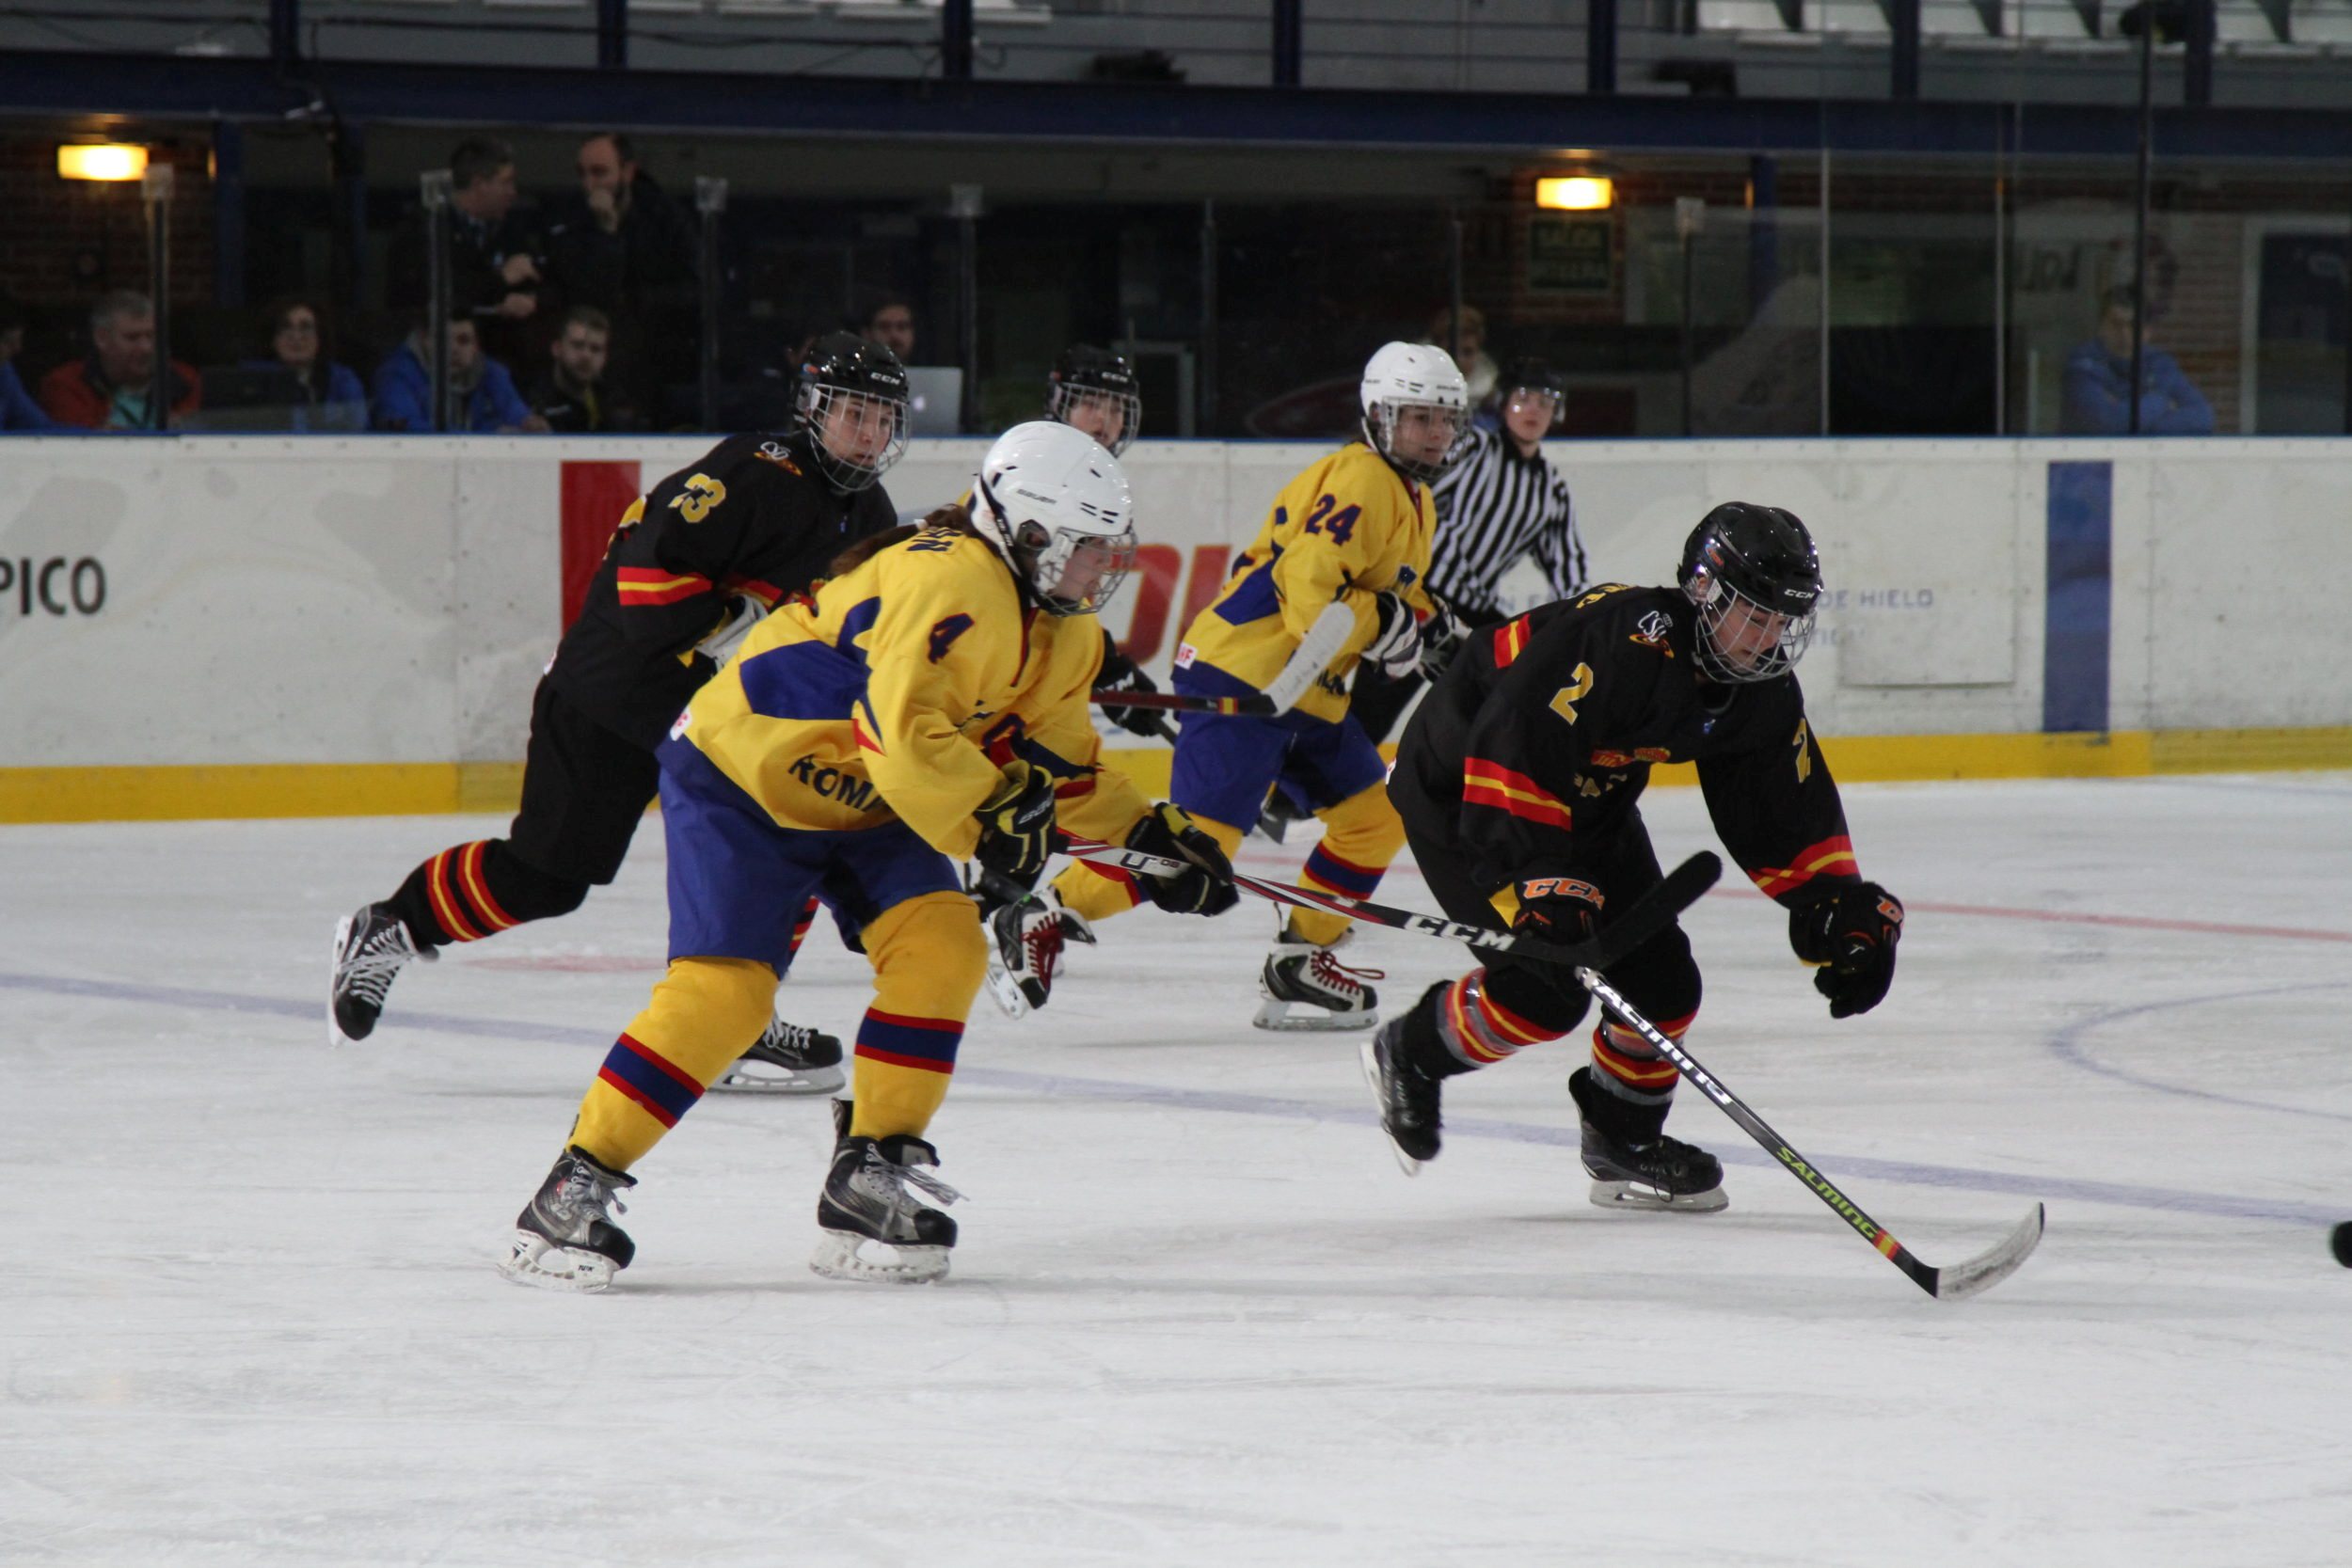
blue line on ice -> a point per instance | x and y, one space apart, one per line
2223 1204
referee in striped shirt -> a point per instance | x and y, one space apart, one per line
1500 501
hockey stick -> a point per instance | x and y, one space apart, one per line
1322 643
1980 1272
1642 919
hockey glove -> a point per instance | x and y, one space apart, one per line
1121 674
1565 909
1848 936
743 613
1395 647
1017 825
1207 888
1441 637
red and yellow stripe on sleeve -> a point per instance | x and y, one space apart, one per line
1490 783
1832 857
1510 640
654 585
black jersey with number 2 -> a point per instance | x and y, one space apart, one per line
1541 736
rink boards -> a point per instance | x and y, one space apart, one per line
223 627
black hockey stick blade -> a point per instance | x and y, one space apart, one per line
1257 704
1968 1278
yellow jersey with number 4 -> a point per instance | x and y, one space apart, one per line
903 691
1348 528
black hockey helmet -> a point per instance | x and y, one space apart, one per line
1744 565
1090 377
863 380
1534 376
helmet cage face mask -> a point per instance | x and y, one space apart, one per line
1069 571
1380 424
821 403
1740 640
1125 408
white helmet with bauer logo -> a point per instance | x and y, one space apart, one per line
1416 406
1057 508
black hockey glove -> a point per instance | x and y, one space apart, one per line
1017 825
1121 674
1395 645
1207 888
1565 909
1849 935
1441 637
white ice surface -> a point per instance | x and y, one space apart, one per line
248 1315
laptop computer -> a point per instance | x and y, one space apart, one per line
935 400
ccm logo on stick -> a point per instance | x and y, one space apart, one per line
59 586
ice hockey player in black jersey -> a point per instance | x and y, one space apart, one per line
695 563
1517 779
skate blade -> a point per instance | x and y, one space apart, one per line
1634 1195
1007 991
533 1260
767 1079
1273 1014
838 1258
1371 1076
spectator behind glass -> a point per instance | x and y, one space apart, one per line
331 396
19 413
891 324
109 389
494 269
2099 375
623 245
482 394
1477 370
571 396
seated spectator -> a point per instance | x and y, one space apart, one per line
1477 370
481 395
891 324
571 396
2099 377
331 397
18 411
109 390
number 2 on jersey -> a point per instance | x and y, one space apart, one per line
1565 700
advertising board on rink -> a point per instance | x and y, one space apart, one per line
233 626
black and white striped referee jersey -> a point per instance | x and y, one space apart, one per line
1493 508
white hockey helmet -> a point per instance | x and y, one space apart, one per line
1057 508
1420 376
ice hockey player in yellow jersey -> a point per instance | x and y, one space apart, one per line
1354 529
929 705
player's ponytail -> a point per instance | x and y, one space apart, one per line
952 516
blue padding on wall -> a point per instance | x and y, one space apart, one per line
2079 605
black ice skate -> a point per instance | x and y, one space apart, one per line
1025 948
1635 1165
1280 812
370 947
1406 1095
564 1239
791 1058
1305 988
865 1203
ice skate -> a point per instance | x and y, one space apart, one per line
791 1058
866 1205
1306 988
564 1239
1657 1172
1025 948
370 947
1408 1096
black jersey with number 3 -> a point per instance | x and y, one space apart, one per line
751 519
1541 734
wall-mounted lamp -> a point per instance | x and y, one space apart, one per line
100 161
1575 193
